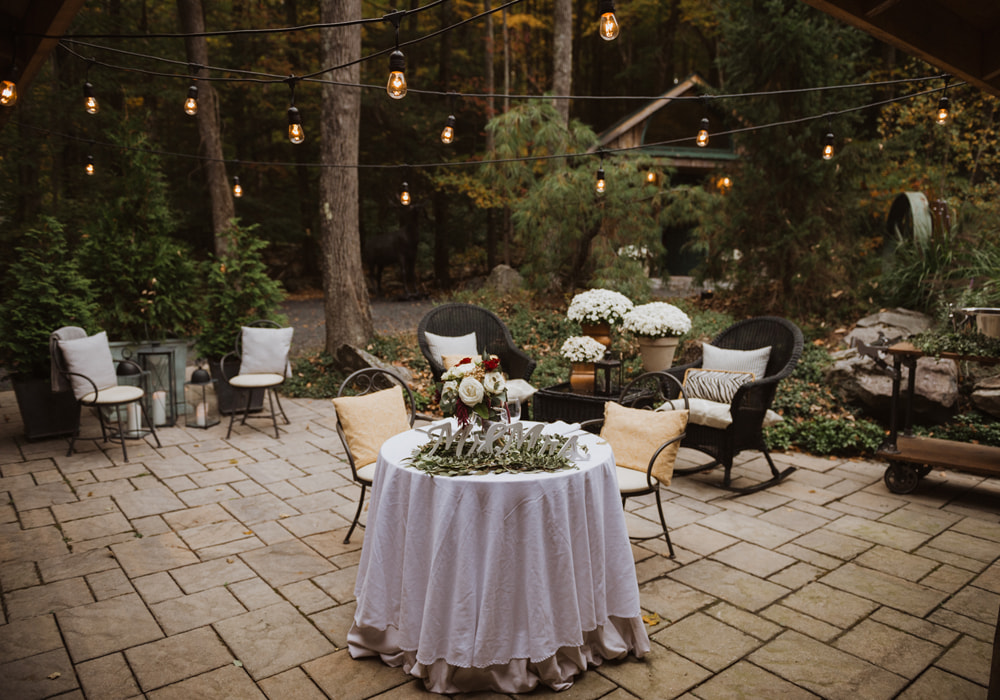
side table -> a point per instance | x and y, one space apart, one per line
559 402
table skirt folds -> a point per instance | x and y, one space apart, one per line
615 640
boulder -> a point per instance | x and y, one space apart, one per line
897 323
986 395
859 380
351 359
504 279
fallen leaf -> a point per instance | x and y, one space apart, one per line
53 676
284 515
651 619
234 461
248 532
229 560
237 663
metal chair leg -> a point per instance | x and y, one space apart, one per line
663 522
357 515
274 417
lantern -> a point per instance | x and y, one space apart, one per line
202 403
608 375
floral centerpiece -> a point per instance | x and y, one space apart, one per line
657 320
595 307
582 348
472 386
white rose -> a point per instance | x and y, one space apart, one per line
470 391
449 391
464 369
494 383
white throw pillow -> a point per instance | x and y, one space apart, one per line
754 361
265 350
460 345
91 357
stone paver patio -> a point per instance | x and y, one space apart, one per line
215 569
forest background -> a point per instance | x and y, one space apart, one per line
795 234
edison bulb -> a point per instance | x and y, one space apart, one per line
702 139
396 86
828 147
942 111
191 103
651 177
448 132
404 196
295 132
89 168
609 26
601 183
237 188
8 93
89 101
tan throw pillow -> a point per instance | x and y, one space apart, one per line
635 434
370 420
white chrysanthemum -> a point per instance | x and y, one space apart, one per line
582 348
657 320
598 306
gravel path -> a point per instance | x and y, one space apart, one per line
306 316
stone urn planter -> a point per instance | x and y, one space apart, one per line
657 353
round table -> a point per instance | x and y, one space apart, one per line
496 581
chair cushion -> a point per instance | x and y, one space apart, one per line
714 384
265 350
257 380
631 480
520 390
754 361
713 414
442 346
635 434
370 420
91 357
122 393
367 472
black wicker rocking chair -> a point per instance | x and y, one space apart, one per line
751 401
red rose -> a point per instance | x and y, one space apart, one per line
491 364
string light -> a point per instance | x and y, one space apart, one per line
296 134
828 145
89 101
702 138
8 86
601 183
404 195
191 103
608 27
237 188
724 184
943 112
89 167
448 132
396 85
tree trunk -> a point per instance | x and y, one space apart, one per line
192 20
348 312
562 56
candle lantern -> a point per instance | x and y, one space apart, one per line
608 374
129 374
160 398
202 402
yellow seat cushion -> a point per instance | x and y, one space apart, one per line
635 434
370 420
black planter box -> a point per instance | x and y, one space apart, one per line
233 400
45 414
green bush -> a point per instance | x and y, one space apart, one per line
824 435
975 427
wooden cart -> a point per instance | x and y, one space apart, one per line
911 457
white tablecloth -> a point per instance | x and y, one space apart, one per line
498 581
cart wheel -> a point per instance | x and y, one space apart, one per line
924 471
901 478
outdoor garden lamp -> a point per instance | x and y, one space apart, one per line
89 101
608 27
191 103
448 132
702 139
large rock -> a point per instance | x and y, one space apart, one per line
504 279
986 395
858 379
351 359
897 323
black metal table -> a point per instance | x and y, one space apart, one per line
559 402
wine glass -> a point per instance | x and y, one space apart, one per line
513 410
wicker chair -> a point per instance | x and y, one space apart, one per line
491 334
751 401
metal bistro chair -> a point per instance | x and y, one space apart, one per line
368 414
645 438
262 348
751 400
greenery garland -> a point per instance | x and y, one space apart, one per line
517 460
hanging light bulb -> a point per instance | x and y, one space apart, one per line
943 112
828 146
608 27
404 195
702 139
295 132
237 188
601 184
191 103
724 183
89 167
651 177
448 132
89 101
8 90
396 87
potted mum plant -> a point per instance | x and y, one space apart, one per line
596 310
658 326
45 290
582 351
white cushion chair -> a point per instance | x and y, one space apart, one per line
262 348
84 364
645 441
372 405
